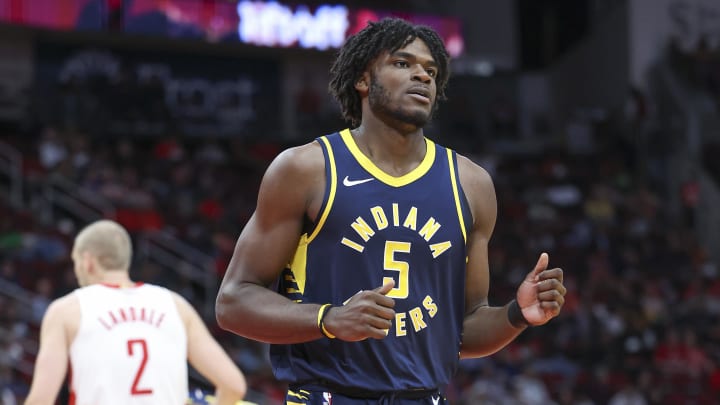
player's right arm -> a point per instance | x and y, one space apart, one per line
52 359
293 187
266 244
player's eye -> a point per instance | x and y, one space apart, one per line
402 64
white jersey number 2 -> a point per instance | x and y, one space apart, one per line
143 352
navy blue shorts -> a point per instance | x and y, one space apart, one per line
313 397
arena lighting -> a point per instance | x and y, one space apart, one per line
273 24
253 22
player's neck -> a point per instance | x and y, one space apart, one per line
391 151
116 279
388 128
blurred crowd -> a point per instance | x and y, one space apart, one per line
641 319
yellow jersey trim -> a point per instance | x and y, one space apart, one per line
298 265
302 395
393 181
331 195
456 192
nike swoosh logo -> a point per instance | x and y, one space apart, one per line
349 183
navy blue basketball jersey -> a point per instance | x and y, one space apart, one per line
373 227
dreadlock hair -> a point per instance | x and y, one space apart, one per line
388 34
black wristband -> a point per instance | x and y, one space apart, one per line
515 315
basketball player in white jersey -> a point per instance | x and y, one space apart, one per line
123 342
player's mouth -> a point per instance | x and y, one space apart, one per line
420 93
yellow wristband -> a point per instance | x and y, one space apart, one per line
320 314
321 321
326 333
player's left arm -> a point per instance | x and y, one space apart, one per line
52 359
209 358
488 329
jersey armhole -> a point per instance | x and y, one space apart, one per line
330 189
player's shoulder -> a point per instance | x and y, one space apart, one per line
152 287
307 153
65 307
163 293
471 172
298 162
479 190
177 297
184 307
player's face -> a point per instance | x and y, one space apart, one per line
402 85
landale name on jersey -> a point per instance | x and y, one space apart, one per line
381 221
131 314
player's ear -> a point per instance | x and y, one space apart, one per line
362 85
89 263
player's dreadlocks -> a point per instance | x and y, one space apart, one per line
389 34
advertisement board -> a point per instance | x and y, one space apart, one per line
150 92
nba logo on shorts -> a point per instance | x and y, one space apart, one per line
327 398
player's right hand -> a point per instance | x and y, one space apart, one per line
367 314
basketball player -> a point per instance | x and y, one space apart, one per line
126 342
386 235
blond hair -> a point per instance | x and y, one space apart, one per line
108 242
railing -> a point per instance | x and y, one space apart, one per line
11 163
172 254
158 247
84 205
29 344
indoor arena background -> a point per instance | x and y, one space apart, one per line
598 120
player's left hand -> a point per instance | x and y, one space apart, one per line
199 396
542 294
